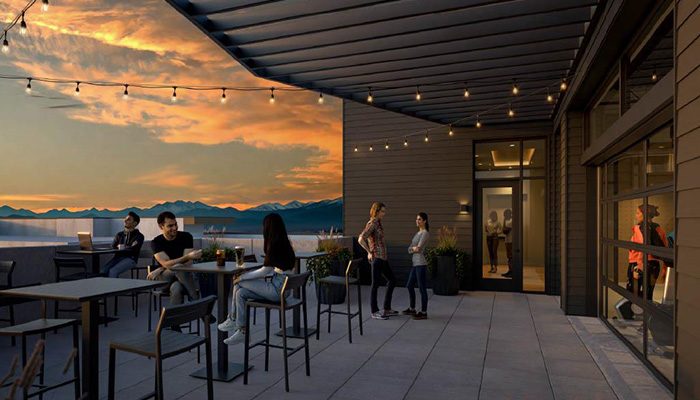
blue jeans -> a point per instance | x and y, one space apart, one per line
418 273
256 289
116 266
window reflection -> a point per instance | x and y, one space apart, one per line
626 171
651 63
533 158
660 342
604 113
625 218
660 158
625 317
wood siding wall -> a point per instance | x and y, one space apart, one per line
687 100
433 177
576 251
554 215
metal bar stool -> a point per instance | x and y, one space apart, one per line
7 268
166 343
285 304
352 269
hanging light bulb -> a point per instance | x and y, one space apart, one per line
654 77
320 97
355 149
125 96
466 91
173 98
77 89
550 98
28 89
23 26
44 5
371 148
386 145
417 93
515 88
5 44
478 123
223 96
563 85
272 95
511 113
369 95
405 142
426 137
450 131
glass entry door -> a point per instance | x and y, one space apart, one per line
498 258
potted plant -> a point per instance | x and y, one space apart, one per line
207 282
334 263
447 263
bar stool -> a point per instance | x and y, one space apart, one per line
7 268
327 282
166 343
41 327
285 304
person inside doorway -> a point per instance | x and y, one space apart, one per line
644 216
493 230
508 232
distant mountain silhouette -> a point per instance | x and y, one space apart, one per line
300 217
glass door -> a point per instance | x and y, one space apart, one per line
498 258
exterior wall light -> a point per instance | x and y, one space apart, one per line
465 209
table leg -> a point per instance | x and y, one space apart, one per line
90 352
294 331
222 370
95 264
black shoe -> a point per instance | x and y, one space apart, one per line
508 274
420 315
409 311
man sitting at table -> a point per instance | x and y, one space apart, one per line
130 240
170 249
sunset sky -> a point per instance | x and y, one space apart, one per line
98 150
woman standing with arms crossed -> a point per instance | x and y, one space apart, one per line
418 271
372 240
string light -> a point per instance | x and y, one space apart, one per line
223 96
173 98
386 145
426 137
320 97
28 89
371 148
272 95
23 26
549 97
515 89
355 149
654 77
466 91
405 142
369 95
563 85
44 5
478 123
125 96
511 113
417 93
77 89
5 44
450 132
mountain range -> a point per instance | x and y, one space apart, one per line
299 216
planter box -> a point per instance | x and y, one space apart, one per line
332 294
445 281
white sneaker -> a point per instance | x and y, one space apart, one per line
237 337
379 315
228 325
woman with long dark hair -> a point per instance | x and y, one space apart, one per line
419 269
279 258
644 216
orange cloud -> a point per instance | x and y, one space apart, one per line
35 197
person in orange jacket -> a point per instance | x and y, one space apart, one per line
657 237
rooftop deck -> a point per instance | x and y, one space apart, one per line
478 345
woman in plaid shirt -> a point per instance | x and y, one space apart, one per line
372 240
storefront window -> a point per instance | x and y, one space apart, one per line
495 160
660 343
650 63
660 163
626 318
604 113
625 172
627 220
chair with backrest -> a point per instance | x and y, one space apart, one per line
135 273
41 327
165 343
73 269
291 283
352 277
7 269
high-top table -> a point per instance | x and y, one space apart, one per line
295 330
223 370
87 292
94 255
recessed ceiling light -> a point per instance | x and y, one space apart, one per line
512 145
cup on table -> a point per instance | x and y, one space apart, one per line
239 252
220 257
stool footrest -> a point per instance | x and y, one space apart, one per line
291 350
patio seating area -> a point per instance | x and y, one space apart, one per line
477 345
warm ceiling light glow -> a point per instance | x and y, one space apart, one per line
355 149
478 123
466 92
511 112
450 132
369 95
426 137
654 77
405 142
386 145
563 85
550 99
418 97
371 148
320 98
511 158
223 96
515 88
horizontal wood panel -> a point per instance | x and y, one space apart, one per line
688 146
687 174
684 9
688 88
687 33
690 58
687 260
689 203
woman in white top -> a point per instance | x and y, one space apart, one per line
419 269
508 231
493 230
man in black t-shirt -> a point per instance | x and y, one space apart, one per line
170 249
